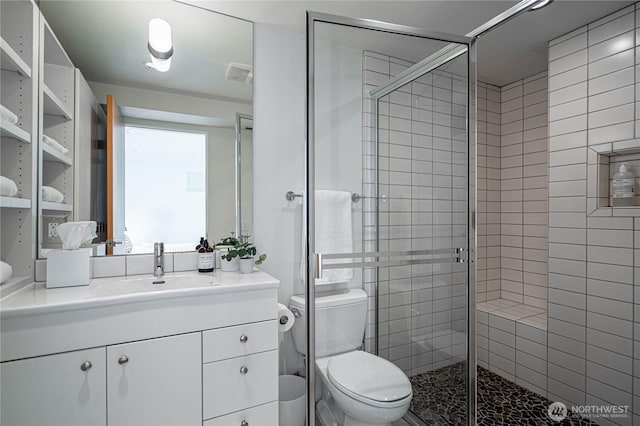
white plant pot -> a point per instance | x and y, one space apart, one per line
246 265
229 266
221 250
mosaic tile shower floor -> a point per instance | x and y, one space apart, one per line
438 399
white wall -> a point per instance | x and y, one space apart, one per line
279 152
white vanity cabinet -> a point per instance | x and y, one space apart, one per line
155 382
66 389
151 382
96 355
240 369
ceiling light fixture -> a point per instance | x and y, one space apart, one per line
540 4
160 45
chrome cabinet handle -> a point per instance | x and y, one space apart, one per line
244 423
123 360
244 338
244 370
86 366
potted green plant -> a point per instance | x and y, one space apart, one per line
245 254
222 248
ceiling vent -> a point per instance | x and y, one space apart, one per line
240 73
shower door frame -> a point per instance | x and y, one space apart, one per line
312 263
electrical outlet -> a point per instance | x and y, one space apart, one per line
52 232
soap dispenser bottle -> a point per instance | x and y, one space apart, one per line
623 187
205 257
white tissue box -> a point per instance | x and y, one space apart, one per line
68 268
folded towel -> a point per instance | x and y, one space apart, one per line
5 272
8 187
334 233
54 144
8 115
49 193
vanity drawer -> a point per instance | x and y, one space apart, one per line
231 342
264 415
238 383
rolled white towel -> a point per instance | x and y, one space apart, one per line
8 188
54 144
5 272
8 115
51 194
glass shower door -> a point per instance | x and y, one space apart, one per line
423 185
390 139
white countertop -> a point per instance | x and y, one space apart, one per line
35 299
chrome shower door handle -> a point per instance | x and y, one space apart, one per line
318 260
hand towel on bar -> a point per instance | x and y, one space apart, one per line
54 144
334 233
8 187
8 115
51 194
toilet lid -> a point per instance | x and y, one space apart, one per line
366 376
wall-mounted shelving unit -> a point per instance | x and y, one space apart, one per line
56 113
18 141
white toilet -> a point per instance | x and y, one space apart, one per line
360 389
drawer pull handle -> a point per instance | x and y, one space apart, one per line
244 339
86 366
123 360
244 370
244 423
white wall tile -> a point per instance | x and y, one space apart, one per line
108 266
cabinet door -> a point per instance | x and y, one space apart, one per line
66 389
155 382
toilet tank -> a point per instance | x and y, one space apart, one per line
340 321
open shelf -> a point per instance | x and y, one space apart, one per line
11 61
10 130
51 154
15 203
56 207
53 105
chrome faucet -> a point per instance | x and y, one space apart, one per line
158 260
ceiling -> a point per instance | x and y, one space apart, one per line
107 40
513 51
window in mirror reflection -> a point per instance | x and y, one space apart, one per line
164 189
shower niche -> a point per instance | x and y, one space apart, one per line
605 160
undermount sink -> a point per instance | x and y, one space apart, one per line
150 283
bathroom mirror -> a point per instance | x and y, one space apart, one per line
173 177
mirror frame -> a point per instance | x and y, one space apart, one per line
239 117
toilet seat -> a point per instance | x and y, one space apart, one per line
369 379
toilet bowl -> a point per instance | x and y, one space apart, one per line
360 389
367 389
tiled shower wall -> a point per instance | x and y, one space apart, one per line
523 189
488 215
422 163
594 262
